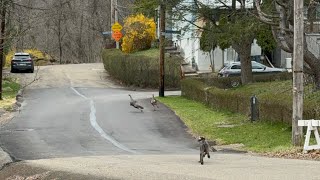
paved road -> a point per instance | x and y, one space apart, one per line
81 119
77 124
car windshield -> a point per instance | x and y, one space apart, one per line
257 65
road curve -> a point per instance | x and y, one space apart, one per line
77 124
64 115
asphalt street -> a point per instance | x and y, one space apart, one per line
75 123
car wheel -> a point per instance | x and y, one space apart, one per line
13 71
32 70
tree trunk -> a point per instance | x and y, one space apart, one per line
2 39
244 52
60 39
313 62
80 46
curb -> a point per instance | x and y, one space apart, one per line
4 158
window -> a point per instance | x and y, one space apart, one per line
236 67
256 66
21 56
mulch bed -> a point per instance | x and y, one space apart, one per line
311 155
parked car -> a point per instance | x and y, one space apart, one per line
22 61
234 69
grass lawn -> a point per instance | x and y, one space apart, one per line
230 128
152 53
10 90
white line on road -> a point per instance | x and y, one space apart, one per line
95 125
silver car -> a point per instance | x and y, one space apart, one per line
234 69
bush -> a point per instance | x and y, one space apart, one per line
193 89
140 32
215 97
141 69
229 82
273 105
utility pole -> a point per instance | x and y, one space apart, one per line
297 109
114 16
116 19
162 43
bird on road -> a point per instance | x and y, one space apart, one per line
154 102
134 104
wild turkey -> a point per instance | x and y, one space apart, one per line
134 104
154 102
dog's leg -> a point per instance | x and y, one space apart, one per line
207 149
201 158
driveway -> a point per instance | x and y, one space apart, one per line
75 123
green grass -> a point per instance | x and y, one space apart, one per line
257 136
282 88
152 53
10 89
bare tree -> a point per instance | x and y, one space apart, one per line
3 12
69 30
282 28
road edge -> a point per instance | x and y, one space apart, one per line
5 158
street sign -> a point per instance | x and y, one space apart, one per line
116 27
117 35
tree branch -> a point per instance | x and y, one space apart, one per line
281 4
279 41
263 16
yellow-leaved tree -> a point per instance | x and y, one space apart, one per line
40 57
140 31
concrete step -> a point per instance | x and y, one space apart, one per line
188 70
170 48
191 75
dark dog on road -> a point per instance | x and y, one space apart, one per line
204 148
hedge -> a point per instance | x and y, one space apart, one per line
272 107
141 70
226 82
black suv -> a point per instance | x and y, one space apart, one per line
22 61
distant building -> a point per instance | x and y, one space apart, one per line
189 44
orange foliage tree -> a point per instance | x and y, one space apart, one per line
140 31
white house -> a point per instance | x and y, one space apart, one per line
189 43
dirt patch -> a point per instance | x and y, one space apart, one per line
6 117
295 154
230 148
227 126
